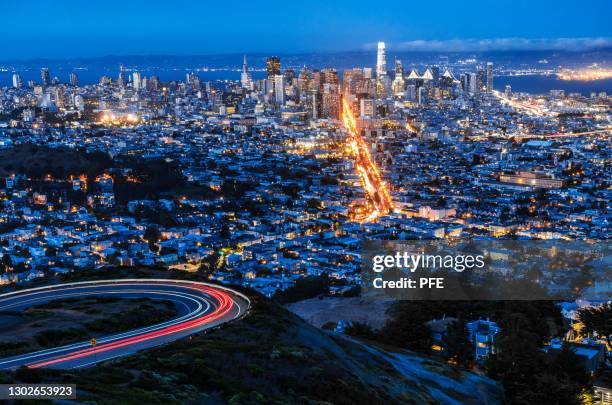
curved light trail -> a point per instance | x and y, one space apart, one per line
380 202
200 306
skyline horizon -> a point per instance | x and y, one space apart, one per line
605 46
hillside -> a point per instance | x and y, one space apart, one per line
272 356
37 161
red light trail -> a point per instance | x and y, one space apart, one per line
209 306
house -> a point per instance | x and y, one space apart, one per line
439 327
602 389
233 259
482 335
591 354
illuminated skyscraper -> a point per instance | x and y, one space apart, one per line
121 79
289 76
274 66
489 77
245 77
330 99
422 95
313 104
44 75
330 76
16 80
398 83
411 92
74 79
367 108
279 89
399 68
136 82
59 97
154 83
381 60
473 83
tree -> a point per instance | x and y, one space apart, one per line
546 386
211 263
530 375
7 262
415 336
313 203
518 357
567 362
226 232
360 330
152 235
51 251
598 320
457 343
304 288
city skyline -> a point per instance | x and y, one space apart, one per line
349 203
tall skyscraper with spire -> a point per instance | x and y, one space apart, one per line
245 77
381 60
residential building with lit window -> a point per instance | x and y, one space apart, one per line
482 335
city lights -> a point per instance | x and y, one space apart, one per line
371 179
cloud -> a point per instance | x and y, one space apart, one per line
499 44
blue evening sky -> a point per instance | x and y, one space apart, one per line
68 28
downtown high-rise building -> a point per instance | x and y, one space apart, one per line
121 79
273 66
245 77
136 81
398 82
421 95
330 76
367 108
154 83
279 89
17 83
313 104
381 60
74 79
411 92
192 79
330 102
473 83
44 75
58 97
489 77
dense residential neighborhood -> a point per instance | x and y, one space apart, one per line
254 183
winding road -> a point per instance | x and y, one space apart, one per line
200 306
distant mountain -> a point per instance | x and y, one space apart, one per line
339 60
